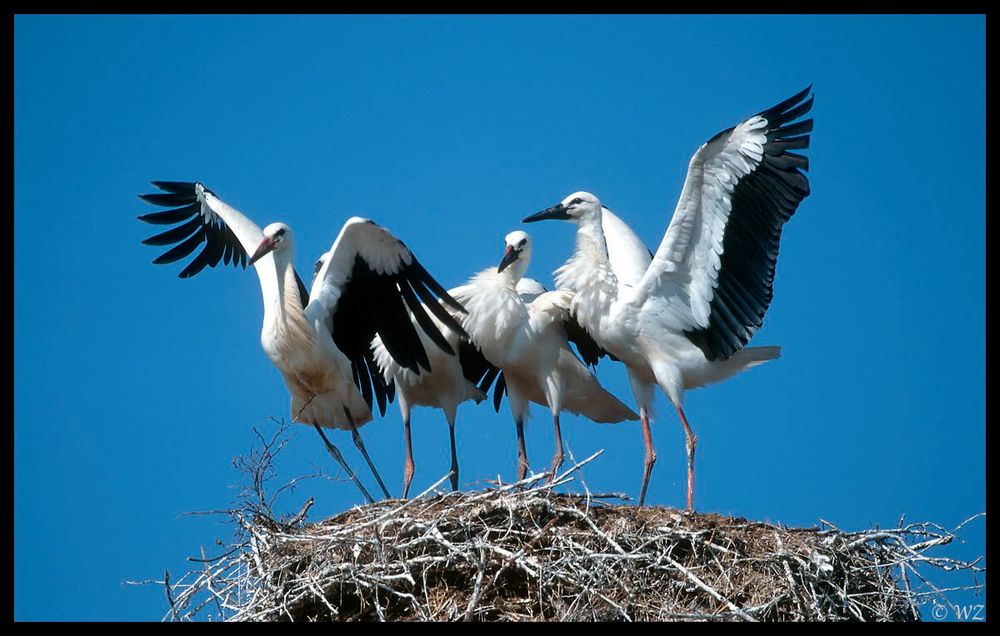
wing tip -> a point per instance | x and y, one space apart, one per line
175 187
791 108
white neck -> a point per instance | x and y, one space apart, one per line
284 320
515 272
589 273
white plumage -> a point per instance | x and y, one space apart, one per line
367 283
453 379
681 318
527 341
444 387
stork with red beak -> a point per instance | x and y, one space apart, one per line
367 284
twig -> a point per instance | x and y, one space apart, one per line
521 551
300 516
170 596
694 579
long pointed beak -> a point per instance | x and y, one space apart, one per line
509 257
265 246
556 212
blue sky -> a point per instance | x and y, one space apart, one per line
135 389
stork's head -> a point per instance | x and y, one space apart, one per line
576 207
277 239
517 253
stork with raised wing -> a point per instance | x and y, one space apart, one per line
527 341
368 283
682 318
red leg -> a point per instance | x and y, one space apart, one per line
650 458
408 469
692 442
557 459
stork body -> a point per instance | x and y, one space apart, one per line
527 341
681 318
453 380
444 387
367 283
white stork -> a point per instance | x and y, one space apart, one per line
681 319
368 283
445 387
527 341
452 380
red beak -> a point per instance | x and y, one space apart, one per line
265 246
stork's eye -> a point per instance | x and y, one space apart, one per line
523 241
279 233
576 201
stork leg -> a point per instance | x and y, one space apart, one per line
650 457
557 459
364 452
454 457
409 467
330 448
691 443
522 454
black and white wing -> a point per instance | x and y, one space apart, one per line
202 220
714 269
364 367
370 283
480 371
588 349
223 233
475 367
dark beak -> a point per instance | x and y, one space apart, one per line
265 246
556 212
508 257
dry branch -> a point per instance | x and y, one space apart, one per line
524 552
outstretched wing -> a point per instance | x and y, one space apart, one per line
365 365
370 283
714 269
203 220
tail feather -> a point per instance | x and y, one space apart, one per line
757 355
717 371
585 396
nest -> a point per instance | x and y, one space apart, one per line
525 552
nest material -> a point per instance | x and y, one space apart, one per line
523 552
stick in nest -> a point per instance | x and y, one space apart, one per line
522 551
